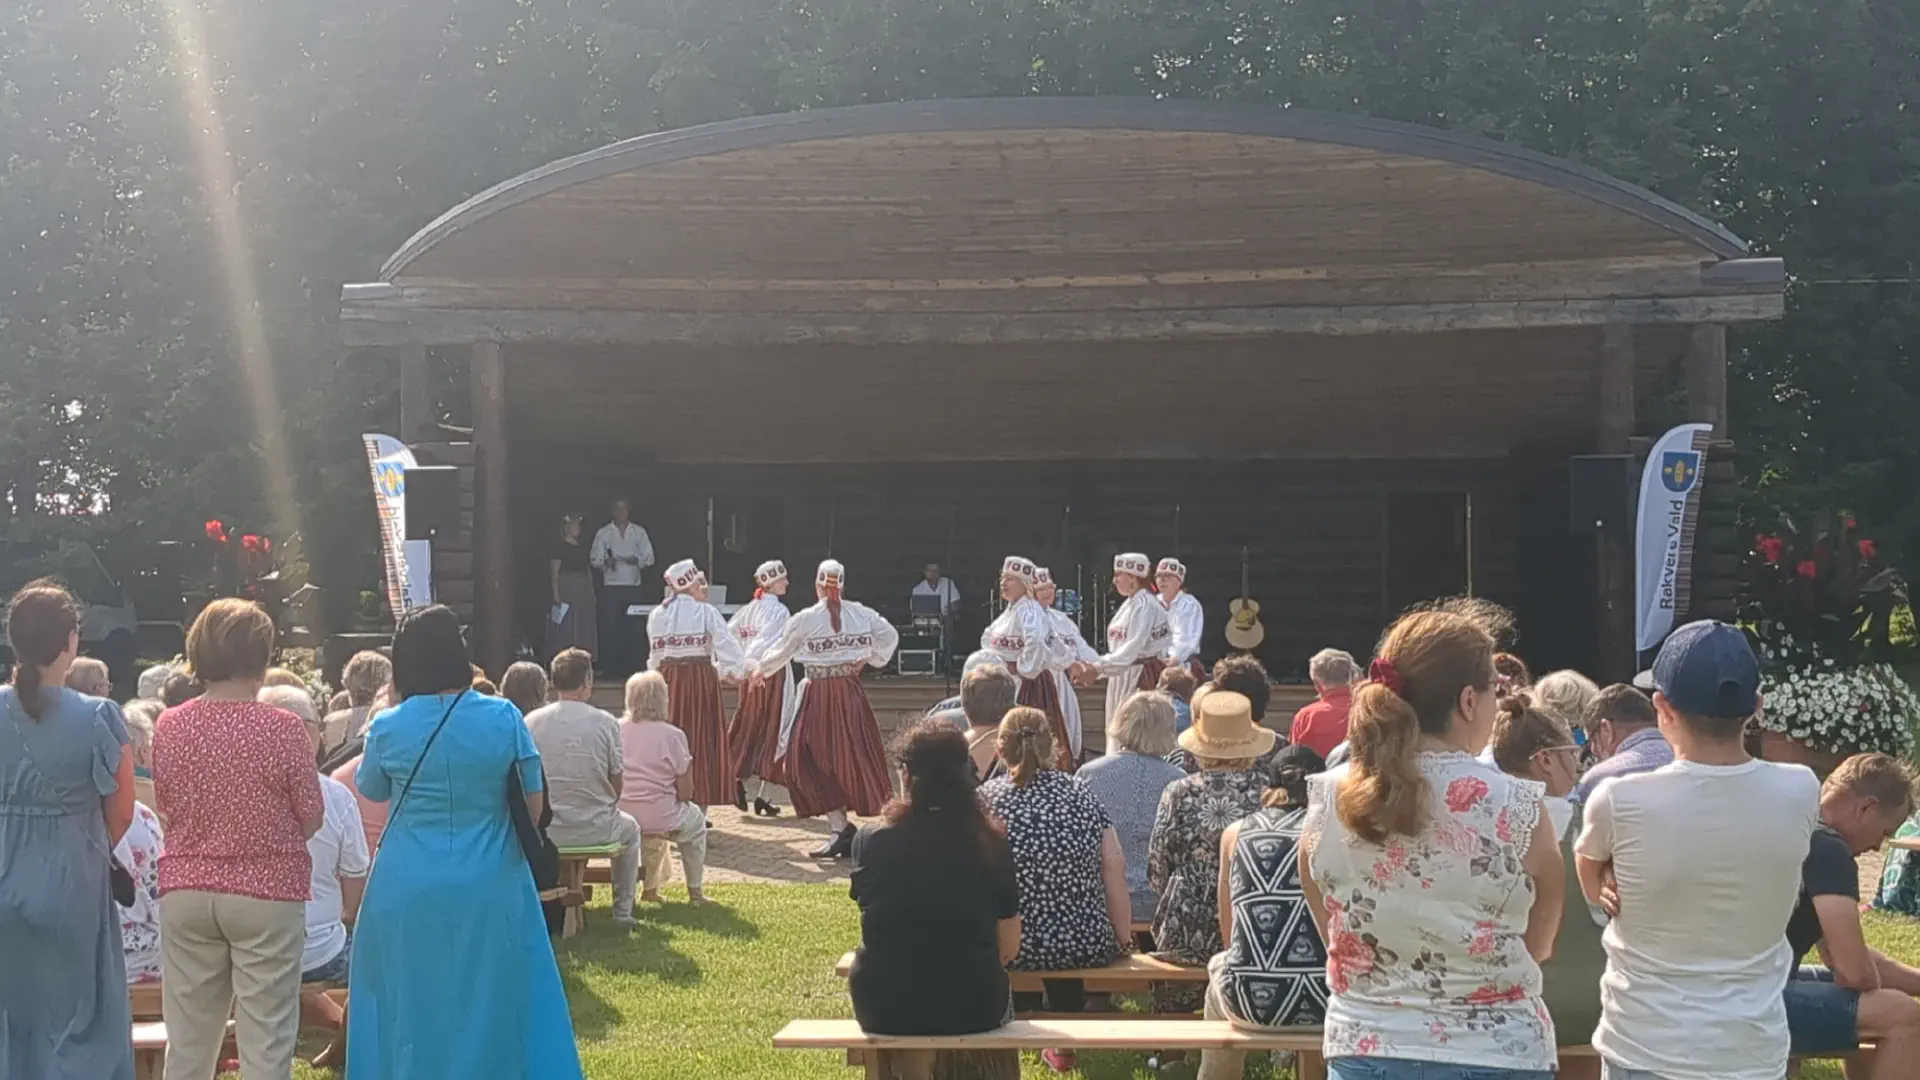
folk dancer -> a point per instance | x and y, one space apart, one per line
690 646
1184 615
764 719
833 761
1074 658
1137 635
1024 640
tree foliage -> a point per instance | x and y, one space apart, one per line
331 130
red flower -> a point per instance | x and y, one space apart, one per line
1852 524
1347 956
1868 549
1490 994
1770 547
216 532
1464 792
1807 569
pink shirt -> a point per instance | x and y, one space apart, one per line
652 754
373 815
235 780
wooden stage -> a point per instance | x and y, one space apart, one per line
897 699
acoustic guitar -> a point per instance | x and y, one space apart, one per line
1244 631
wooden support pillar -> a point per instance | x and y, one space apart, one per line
416 407
1616 662
492 635
1706 374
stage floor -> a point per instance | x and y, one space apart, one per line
898 699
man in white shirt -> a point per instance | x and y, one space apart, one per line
935 585
622 552
341 861
580 754
1699 863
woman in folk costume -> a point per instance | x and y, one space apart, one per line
1024 639
1137 635
690 646
1074 659
833 760
1184 615
764 718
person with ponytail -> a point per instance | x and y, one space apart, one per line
1272 973
763 719
66 798
832 758
939 908
1074 908
1435 880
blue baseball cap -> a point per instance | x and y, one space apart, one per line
1707 669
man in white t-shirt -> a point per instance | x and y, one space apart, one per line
341 861
581 758
1698 862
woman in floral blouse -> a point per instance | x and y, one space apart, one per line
1435 880
1183 855
139 852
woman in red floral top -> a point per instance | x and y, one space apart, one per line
236 784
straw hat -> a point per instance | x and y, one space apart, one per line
1223 728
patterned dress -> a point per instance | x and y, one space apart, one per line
1274 971
1183 865
1426 958
1055 828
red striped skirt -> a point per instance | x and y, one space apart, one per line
754 735
1150 670
1044 694
834 759
693 706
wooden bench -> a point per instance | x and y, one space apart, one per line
149 1050
1135 971
1089 1033
573 884
146 999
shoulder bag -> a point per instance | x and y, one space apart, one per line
543 857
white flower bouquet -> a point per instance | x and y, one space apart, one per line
1842 710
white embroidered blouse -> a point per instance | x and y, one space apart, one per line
1020 637
864 639
1138 631
758 625
686 629
1425 953
1187 621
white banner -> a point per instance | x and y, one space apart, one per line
1663 538
409 563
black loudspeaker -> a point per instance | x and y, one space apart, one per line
433 501
1599 494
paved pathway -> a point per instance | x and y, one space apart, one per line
741 847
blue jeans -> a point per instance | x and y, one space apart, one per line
1375 1068
1821 1018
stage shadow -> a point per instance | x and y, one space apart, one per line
717 919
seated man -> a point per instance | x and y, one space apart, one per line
1859 993
580 751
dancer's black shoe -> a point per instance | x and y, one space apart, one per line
840 847
740 795
763 808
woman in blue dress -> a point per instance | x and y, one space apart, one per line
66 796
452 975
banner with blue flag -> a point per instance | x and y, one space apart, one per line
1663 542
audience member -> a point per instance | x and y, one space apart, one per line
140 715
1512 672
1414 842
939 909
138 853
373 815
366 674
1183 855
1859 993
341 859
341 701
179 689
1243 674
1625 734
1322 724
1066 858
66 798
658 779
1273 971
525 684
988 692
1699 865
153 681
237 788
1178 684
580 751
89 676
1899 889
1533 743
280 676
451 902
1565 694
1129 779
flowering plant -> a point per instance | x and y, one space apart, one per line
1842 710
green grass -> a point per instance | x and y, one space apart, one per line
697 993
